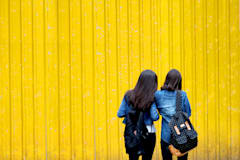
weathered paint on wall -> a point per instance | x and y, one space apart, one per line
66 64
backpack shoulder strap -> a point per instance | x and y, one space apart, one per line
140 121
179 101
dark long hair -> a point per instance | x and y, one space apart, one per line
173 81
142 96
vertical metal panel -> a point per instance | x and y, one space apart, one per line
5 118
76 79
65 106
234 79
39 66
89 136
27 80
16 79
200 55
66 64
52 80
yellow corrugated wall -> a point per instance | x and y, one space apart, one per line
66 64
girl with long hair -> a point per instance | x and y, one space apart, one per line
141 98
166 103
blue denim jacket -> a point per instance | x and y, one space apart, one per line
166 104
149 117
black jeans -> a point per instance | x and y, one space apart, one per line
149 145
166 154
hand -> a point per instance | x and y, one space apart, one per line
175 151
135 132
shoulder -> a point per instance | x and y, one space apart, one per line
158 93
126 96
126 100
184 93
158 96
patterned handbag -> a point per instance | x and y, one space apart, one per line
183 136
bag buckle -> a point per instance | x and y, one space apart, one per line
182 125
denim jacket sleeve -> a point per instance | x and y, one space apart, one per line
123 108
157 99
153 112
186 104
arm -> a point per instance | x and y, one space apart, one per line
157 97
153 112
187 106
122 110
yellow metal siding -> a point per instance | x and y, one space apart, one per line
66 64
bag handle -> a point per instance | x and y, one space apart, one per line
179 101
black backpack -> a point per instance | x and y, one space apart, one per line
183 135
135 122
